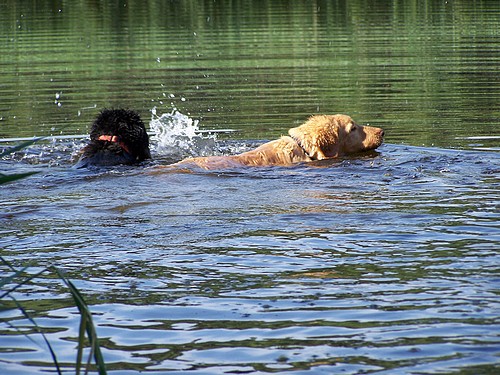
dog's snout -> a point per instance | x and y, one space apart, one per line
382 132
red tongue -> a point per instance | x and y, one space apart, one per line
114 138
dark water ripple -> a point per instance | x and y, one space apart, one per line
386 263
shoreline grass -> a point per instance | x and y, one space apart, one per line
87 332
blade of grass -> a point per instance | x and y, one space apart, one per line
39 330
89 360
19 284
5 178
81 344
9 279
86 319
7 264
20 146
86 323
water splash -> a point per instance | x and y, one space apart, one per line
177 136
49 152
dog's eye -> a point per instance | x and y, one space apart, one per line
353 128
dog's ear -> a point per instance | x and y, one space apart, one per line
133 133
319 137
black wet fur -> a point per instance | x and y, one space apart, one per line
130 130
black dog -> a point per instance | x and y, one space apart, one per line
118 136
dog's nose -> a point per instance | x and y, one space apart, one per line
382 132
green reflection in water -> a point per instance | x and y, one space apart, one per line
425 71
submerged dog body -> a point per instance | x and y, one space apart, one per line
117 136
321 137
283 151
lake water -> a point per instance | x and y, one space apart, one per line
384 263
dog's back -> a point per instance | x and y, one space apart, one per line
282 151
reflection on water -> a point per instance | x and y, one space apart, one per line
374 263
426 73
385 262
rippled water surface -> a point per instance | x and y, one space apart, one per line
382 263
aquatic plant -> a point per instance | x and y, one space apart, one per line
87 330
5 178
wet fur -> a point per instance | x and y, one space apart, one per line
321 137
128 128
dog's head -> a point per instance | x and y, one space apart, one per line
117 136
124 128
329 136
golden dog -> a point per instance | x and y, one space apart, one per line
321 137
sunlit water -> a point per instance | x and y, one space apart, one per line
363 264
382 263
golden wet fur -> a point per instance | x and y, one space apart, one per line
321 137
